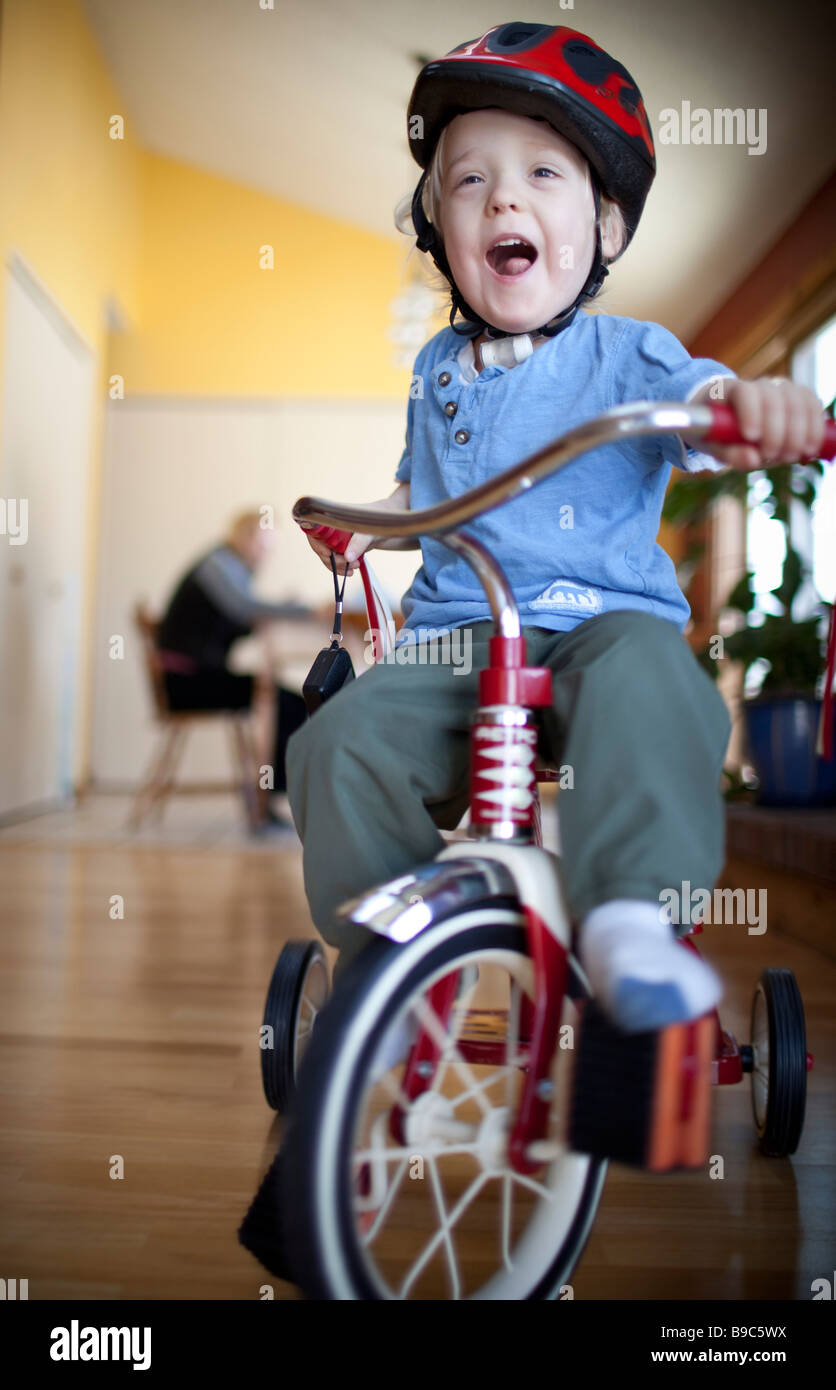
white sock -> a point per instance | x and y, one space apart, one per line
641 974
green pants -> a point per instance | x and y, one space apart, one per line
383 765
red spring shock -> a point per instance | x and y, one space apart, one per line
503 748
503 742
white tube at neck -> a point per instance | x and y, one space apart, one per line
506 352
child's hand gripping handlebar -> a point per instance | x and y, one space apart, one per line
329 535
379 615
726 430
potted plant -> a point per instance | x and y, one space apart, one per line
782 717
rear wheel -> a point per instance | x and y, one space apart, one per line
430 1208
779 1062
298 991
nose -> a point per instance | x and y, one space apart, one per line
502 200
505 194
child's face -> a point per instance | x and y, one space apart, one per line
506 176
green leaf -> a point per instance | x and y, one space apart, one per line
742 596
690 498
791 579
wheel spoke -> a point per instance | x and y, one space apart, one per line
463 1001
525 1181
507 1199
511 1043
483 1085
399 1151
431 1024
449 1248
371 1234
399 1097
443 1234
395 1090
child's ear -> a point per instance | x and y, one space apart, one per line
612 230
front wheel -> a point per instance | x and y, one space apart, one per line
387 1198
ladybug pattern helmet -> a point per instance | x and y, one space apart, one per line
545 72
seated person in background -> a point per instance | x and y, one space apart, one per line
212 607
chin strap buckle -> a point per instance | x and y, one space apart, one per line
507 352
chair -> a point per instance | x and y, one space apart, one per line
160 779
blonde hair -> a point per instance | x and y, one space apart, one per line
243 526
612 213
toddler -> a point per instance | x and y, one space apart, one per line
537 158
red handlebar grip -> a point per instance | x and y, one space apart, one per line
726 430
330 536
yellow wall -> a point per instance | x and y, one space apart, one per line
214 320
99 219
177 248
69 196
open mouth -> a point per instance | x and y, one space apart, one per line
510 256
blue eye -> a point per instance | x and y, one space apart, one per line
541 169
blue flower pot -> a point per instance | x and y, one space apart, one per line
782 746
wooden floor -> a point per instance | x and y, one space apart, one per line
137 1038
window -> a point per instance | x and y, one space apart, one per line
813 364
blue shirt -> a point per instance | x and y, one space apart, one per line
583 541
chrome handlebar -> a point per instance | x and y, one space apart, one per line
637 420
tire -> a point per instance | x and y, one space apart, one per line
779 1074
298 990
324 1246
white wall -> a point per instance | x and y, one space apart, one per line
47 411
175 472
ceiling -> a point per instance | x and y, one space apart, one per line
307 101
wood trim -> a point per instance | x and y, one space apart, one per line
773 299
699 590
798 905
795 839
774 355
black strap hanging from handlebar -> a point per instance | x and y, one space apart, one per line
332 668
338 594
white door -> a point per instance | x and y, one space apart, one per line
44 463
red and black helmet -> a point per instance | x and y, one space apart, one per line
550 73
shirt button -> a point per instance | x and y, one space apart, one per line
462 436
450 409
445 379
